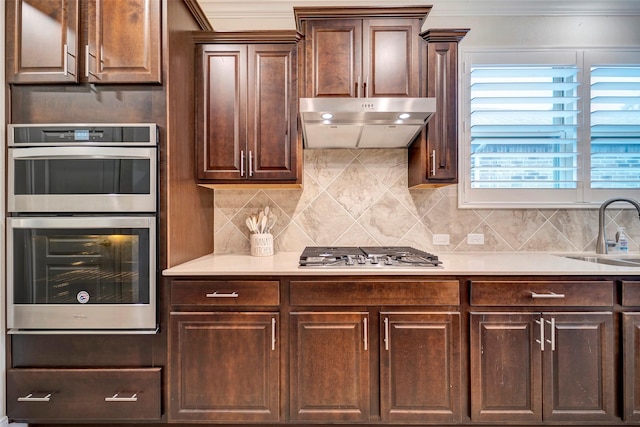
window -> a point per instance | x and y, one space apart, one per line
550 128
615 126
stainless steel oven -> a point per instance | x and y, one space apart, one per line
81 232
81 272
82 168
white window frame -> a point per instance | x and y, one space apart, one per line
582 196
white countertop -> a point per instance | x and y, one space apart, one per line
484 263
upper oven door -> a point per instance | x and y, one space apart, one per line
82 179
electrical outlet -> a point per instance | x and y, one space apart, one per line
440 239
475 239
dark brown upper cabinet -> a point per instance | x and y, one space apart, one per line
247 107
72 41
361 52
433 156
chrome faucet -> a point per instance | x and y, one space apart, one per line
601 242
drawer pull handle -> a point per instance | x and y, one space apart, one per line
29 398
217 295
553 333
386 333
116 398
365 332
273 334
86 60
433 163
541 340
66 60
550 295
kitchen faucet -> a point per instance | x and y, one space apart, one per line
601 242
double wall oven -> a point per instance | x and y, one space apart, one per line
81 231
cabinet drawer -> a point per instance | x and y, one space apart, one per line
630 293
340 293
542 293
83 394
225 292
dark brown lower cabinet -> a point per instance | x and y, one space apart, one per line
550 366
329 363
631 365
420 367
224 367
79 394
331 357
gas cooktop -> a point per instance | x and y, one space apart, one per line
367 257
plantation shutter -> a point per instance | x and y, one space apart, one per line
615 127
524 127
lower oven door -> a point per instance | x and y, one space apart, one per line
73 273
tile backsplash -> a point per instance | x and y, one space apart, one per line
360 197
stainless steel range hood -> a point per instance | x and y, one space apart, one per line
363 122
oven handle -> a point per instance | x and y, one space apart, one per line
40 153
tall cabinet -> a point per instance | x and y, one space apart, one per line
144 74
97 41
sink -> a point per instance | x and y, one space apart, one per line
620 261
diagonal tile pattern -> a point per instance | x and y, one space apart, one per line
360 197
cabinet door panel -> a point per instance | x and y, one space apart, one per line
420 367
329 367
124 41
505 367
630 293
271 111
433 157
221 102
391 58
631 366
442 129
578 368
334 58
42 44
224 367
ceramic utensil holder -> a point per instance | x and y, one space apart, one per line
262 244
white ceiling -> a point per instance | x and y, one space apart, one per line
238 9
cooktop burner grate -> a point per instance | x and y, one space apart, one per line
367 256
